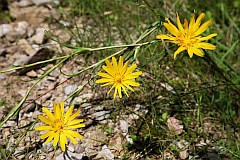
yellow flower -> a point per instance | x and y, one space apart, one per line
119 75
188 37
59 125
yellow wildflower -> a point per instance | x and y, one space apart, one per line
119 75
187 37
59 125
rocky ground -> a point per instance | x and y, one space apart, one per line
22 41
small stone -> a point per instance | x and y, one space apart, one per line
73 156
21 28
124 126
183 154
38 38
70 148
78 148
26 47
23 3
69 89
5 28
22 92
2 77
105 153
46 97
182 144
21 60
101 115
115 143
32 74
50 78
41 2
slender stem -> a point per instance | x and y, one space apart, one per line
121 46
122 50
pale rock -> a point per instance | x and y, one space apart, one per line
50 78
26 47
4 29
23 3
183 154
105 153
38 37
9 124
101 115
70 148
69 89
182 144
46 97
124 126
73 156
30 31
21 28
32 74
129 139
47 147
21 60
2 77
78 148
40 2
115 143
22 92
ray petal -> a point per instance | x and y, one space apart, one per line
191 24
47 134
75 121
74 134
120 62
104 80
68 113
207 37
128 87
115 92
48 113
62 109
190 52
203 28
180 49
180 27
171 28
198 52
206 45
198 21
73 115
56 138
119 90
125 91
133 75
76 126
132 83
130 69
71 138
50 138
63 141
110 71
105 75
41 128
44 119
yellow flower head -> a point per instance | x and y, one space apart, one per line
119 75
59 125
188 36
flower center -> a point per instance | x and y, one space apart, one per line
118 79
187 40
58 125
